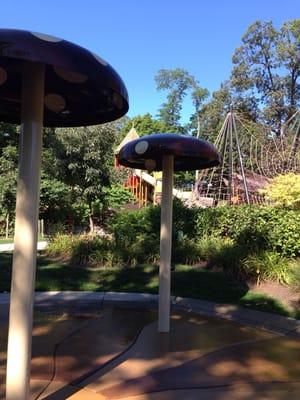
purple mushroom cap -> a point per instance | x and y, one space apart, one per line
80 88
189 152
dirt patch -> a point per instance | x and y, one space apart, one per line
288 295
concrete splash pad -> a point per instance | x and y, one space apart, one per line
118 354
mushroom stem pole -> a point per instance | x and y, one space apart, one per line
165 244
25 241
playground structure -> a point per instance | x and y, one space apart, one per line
251 156
145 187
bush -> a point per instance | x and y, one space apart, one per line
284 190
84 250
137 233
61 246
117 195
239 239
268 266
256 227
186 251
210 248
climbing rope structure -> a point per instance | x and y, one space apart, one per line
250 157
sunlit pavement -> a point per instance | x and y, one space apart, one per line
10 246
117 353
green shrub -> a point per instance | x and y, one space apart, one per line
284 190
84 249
256 227
268 266
210 248
61 246
117 195
284 232
186 251
239 239
137 233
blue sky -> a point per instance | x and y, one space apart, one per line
139 37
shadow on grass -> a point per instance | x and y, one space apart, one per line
186 282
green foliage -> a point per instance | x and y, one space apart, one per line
216 250
212 114
246 263
254 227
84 250
85 159
177 83
9 135
61 245
136 234
284 190
144 125
55 199
266 66
244 242
268 266
8 179
117 195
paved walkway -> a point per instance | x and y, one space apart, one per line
10 246
83 301
106 346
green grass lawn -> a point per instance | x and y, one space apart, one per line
9 240
186 282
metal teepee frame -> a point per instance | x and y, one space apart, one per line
250 157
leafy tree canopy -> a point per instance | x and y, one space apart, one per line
144 125
8 179
267 68
176 82
86 157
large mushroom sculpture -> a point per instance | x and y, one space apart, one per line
167 153
44 81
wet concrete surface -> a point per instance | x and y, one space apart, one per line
118 354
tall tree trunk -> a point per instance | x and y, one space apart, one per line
7 226
91 222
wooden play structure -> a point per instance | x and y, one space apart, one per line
146 187
251 156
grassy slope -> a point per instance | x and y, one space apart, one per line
186 282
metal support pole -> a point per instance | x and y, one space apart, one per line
241 160
25 241
230 161
165 245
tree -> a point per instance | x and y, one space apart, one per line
86 156
267 68
198 94
8 181
144 125
55 199
9 135
177 83
212 114
117 195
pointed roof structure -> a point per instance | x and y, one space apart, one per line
131 135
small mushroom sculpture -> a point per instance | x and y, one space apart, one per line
167 153
52 82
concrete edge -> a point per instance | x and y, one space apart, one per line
267 321
83 300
